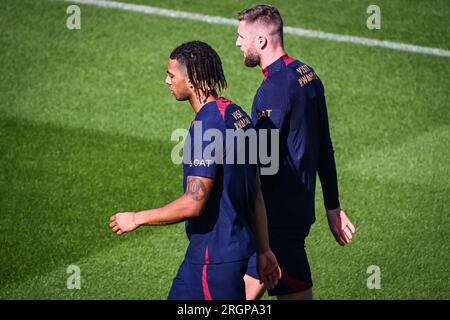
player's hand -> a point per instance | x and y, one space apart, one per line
123 222
341 226
268 269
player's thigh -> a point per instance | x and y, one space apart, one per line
253 289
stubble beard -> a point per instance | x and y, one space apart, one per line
252 59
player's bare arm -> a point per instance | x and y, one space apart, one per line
189 205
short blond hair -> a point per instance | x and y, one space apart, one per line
265 14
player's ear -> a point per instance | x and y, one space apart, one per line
261 42
189 83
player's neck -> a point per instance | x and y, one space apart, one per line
197 103
270 57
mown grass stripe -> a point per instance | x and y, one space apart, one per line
290 30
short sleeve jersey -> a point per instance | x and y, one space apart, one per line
222 233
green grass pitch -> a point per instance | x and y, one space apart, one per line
85 124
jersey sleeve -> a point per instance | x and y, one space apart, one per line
205 143
309 142
326 163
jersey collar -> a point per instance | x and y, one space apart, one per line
277 65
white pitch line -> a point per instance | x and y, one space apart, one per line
290 30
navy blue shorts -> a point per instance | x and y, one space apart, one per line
214 281
291 255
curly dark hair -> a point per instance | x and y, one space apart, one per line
203 66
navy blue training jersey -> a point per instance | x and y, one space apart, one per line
291 99
222 233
